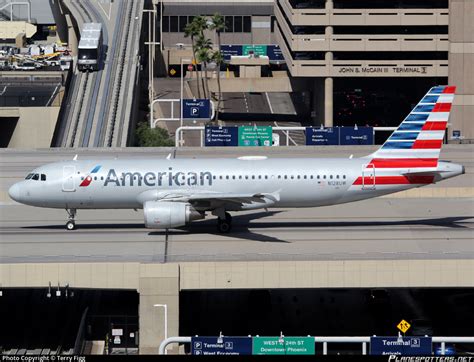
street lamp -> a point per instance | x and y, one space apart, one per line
165 306
151 56
181 99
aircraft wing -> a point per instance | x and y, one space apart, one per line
212 197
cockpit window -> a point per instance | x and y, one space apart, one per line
43 177
30 175
35 177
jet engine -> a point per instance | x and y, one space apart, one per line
167 215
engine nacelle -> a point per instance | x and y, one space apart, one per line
167 215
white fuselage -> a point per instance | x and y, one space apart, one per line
295 182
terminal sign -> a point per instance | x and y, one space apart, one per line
255 136
221 136
402 346
213 346
196 109
322 136
283 345
356 136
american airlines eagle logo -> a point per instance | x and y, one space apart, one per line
87 181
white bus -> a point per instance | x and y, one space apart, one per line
90 47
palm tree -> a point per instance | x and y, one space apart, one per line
191 30
218 24
218 58
204 45
200 23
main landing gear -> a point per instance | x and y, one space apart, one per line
71 224
224 225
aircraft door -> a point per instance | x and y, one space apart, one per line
368 177
68 178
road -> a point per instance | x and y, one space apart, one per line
384 228
372 229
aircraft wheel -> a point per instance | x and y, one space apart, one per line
223 226
70 225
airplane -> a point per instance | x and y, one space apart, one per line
174 192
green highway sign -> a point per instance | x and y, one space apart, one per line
255 136
257 49
284 345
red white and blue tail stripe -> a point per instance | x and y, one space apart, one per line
412 151
417 141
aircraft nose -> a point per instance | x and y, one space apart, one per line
14 192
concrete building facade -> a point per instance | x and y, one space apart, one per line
328 39
322 41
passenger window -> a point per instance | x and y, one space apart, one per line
266 177
227 177
220 177
337 176
240 177
286 177
304 177
253 177
259 177
279 176
246 177
233 177
214 177
311 177
324 177
35 177
344 177
292 177
43 177
330 177
318 177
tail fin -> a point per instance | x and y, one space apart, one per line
417 141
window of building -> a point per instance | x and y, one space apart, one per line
174 24
183 21
247 24
229 24
238 25
166 24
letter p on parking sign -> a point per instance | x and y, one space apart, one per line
196 109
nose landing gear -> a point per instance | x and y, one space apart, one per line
71 224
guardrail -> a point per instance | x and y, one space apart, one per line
325 340
285 130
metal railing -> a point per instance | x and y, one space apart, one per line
326 340
285 130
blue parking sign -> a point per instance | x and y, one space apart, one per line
212 346
199 109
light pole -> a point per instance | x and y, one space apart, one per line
165 307
181 98
151 56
